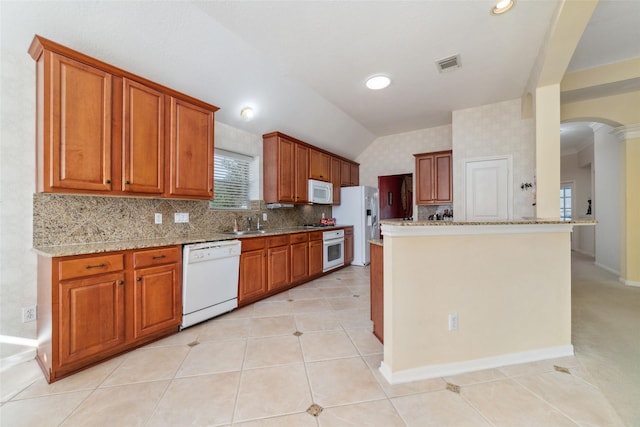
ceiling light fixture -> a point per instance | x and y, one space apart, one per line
378 82
502 6
246 114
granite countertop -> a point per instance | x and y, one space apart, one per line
378 242
400 222
94 248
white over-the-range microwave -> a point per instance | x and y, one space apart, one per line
320 192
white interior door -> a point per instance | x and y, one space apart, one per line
487 190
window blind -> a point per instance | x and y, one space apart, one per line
231 180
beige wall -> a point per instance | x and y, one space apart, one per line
495 130
512 293
393 154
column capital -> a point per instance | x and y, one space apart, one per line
627 132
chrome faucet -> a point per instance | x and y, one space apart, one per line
248 223
258 225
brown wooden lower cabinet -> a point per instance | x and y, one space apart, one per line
299 257
348 245
92 307
269 265
316 252
278 276
252 283
376 270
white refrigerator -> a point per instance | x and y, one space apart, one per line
359 207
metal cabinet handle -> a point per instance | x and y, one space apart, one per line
108 181
96 266
158 256
121 282
127 182
139 279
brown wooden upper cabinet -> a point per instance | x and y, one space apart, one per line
191 171
349 174
434 178
289 164
286 169
143 142
319 165
336 167
102 130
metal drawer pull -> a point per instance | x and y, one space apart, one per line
96 266
139 279
158 256
121 282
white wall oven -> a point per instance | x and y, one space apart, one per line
333 249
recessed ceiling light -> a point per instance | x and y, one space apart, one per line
378 82
502 6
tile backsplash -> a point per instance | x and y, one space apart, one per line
72 219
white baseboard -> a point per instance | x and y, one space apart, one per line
580 251
16 359
446 369
609 269
629 282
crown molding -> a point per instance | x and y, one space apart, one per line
624 133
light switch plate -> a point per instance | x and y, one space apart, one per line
158 218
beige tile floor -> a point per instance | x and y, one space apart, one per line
250 368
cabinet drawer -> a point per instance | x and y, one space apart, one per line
90 266
299 238
252 244
278 241
315 235
156 257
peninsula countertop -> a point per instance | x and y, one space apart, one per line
522 221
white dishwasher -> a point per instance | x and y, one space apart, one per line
209 280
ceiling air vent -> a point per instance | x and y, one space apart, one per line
448 64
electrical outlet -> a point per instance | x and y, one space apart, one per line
181 217
29 314
264 216
453 322
158 218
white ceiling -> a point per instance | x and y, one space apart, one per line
302 64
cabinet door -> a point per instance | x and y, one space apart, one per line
157 299
191 150
299 261
377 290
335 179
348 246
319 165
252 283
278 267
443 191
301 172
79 127
345 173
424 179
286 170
143 139
315 257
355 174
91 316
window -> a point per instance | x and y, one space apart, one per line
566 189
231 179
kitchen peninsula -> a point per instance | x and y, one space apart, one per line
465 296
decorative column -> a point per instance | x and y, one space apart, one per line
629 137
